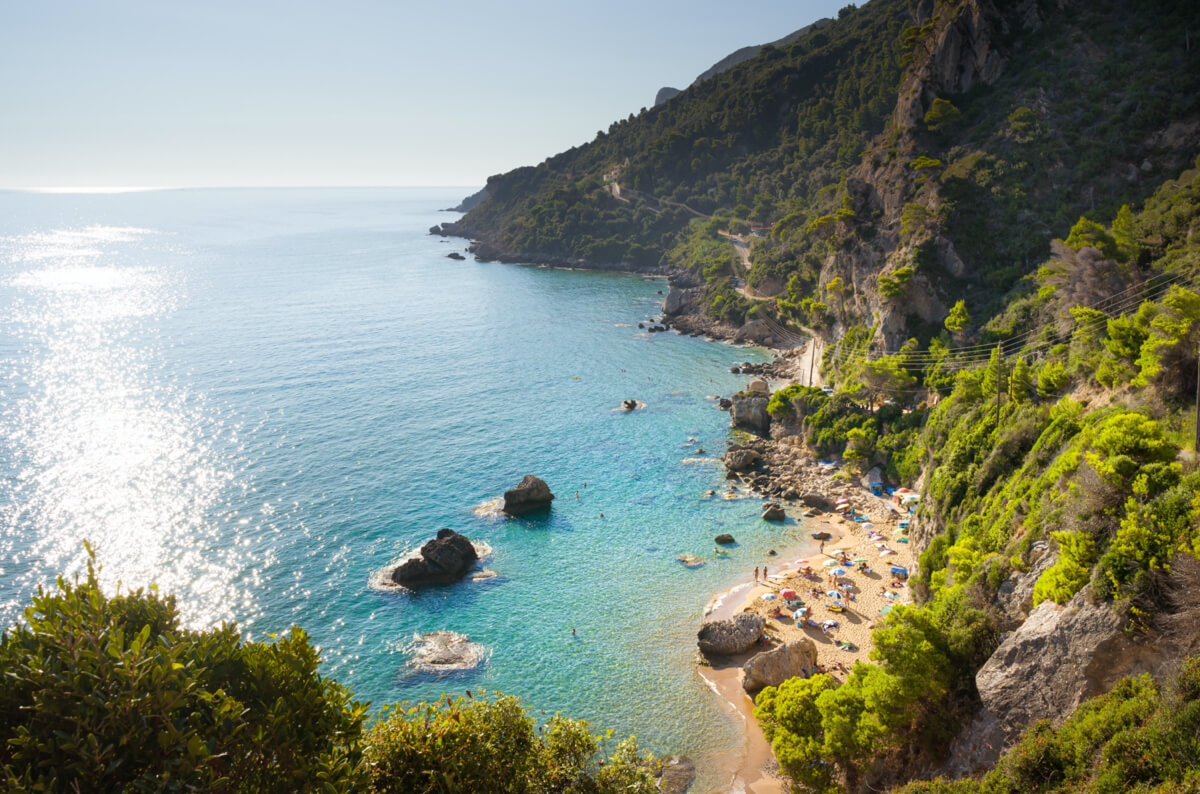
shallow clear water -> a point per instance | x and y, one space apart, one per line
260 398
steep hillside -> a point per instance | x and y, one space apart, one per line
907 155
756 138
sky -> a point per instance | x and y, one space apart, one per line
167 93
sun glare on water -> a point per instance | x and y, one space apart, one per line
101 446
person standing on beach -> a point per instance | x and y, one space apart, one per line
756 574
764 573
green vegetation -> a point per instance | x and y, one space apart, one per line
1137 737
770 137
102 693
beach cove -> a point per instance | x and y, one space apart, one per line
284 392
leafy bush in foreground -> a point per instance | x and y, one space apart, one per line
102 693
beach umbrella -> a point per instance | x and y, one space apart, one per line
838 572
799 562
879 545
789 593
886 552
886 609
868 525
768 596
800 613
829 563
861 559
833 594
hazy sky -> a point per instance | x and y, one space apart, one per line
352 92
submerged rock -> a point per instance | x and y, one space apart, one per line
444 559
531 495
445 652
724 538
455 255
690 560
773 667
675 774
729 637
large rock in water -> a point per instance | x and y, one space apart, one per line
772 511
740 459
749 411
445 559
676 302
530 496
729 637
773 667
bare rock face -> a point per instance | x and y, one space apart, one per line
444 559
777 665
749 411
729 637
531 495
676 302
1059 657
741 459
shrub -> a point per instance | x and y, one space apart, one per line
106 694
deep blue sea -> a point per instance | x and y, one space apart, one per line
259 399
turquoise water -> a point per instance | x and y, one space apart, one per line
259 399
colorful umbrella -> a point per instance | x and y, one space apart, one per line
838 572
828 563
789 593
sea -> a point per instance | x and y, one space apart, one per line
261 400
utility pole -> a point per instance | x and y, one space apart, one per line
999 378
812 357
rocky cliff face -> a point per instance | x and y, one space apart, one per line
1059 657
957 54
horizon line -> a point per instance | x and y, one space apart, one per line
116 189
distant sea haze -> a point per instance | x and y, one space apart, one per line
261 399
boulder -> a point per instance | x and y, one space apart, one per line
724 539
690 560
772 511
455 255
758 384
729 637
629 405
815 500
725 403
773 667
1059 657
676 302
749 411
741 459
531 495
445 559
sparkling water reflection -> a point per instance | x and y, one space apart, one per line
260 399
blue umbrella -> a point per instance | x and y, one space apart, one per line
838 572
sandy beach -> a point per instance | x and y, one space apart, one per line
864 595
